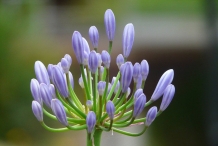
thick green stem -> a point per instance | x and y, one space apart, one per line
97 137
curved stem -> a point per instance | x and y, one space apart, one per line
53 129
128 133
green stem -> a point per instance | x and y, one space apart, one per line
97 137
85 82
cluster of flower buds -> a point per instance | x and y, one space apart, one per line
107 105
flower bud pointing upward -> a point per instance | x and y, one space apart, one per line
167 97
109 22
78 46
94 36
151 115
90 121
110 109
37 110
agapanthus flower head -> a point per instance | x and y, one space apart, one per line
136 71
120 60
110 24
58 109
45 93
110 109
90 121
106 58
37 110
167 97
78 46
144 69
126 76
164 81
151 115
94 36
139 105
128 39
41 73
93 61
34 87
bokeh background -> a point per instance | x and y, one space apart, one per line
178 34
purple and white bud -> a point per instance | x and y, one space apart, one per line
167 97
58 109
110 109
164 81
45 94
86 46
81 83
139 105
34 87
86 58
138 92
117 85
99 59
93 61
128 92
106 58
89 104
65 65
60 81
69 59
151 115
144 69
90 121
139 82
136 71
78 46
101 87
128 39
52 91
109 22
71 79
126 76
101 70
94 36
41 73
120 60
37 110
49 69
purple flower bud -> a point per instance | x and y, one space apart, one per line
101 70
144 69
126 76
52 91
128 39
94 36
106 58
69 59
128 92
136 71
164 81
138 93
45 94
120 60
58 109
78 46
110 109
109 22
93 61
71 79
151 115
41 73
86 46
34 87
109 88
139 105
139 82
60 81
86 58
49 69
81 82
99 59
101 87
89 104
37 111
65 65
167 97
90 121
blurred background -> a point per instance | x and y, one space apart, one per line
181 35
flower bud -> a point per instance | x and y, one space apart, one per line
86 46
136 71
128 39
69 59
89 104
41 73
126 76
49 69
58 109
37 110
109 22
106 58
65 65
90 121
167 97
139 105
110 109
109 88
94 36
164 81
34 87
101 87
138 93
128 92
139 82
99 59
86 58
151 115
60 81
71 79
101 70
45 94
81 83
93 61
78 46
52 91
144 69
120 60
